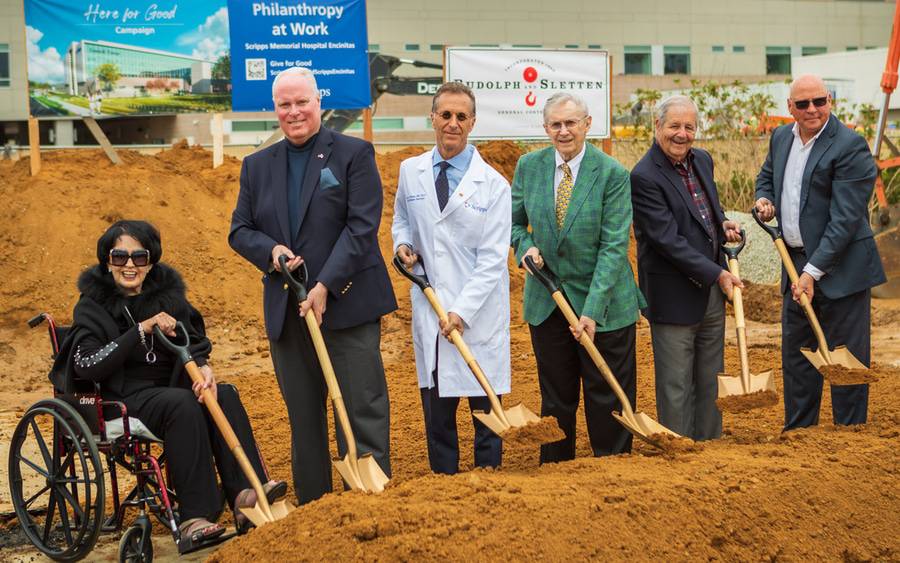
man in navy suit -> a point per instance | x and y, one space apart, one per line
316 198
817 179
680 227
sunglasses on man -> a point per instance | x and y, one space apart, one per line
447 115
818 102
120 257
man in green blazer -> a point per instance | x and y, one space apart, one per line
577 202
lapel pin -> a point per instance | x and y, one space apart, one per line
320 155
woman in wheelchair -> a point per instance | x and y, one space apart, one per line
123 297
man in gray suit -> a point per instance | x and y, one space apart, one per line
817 179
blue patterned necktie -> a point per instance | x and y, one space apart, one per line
442 185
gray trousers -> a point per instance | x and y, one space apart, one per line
688 359
356 356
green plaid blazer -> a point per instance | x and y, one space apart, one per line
589 255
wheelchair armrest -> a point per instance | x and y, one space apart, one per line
126 431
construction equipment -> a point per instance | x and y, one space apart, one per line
381 73
361 473
501 421
888 85
638 423
747 383
823 358
262 512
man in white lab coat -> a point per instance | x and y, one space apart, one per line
452 214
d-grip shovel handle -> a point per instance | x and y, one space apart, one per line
421 281
774 232
181 351
296 280
733 251
541 275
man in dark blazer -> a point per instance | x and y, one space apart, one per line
316 198
680 227
817 180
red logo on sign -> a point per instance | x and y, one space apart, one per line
530 99
529 74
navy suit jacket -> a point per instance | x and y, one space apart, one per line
834 196
677 264
340 210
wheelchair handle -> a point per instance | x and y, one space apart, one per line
181 351
774 232
296 280
421 281
542 275
733 251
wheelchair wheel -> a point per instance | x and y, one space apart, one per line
136 546
56 480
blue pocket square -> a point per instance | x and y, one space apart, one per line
327 180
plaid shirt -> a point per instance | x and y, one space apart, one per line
686 171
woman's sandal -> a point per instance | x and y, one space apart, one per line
274 490
197 532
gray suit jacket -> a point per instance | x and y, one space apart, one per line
834 221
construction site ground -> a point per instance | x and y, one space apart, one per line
823 493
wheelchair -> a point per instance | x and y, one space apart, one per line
58 483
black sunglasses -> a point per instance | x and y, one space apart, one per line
460 117
818 102
120 257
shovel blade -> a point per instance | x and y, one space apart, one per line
839 356
731 385
258 515
493 421
519 415
363 475
643 426
281 509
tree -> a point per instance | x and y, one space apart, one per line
108 74
222 68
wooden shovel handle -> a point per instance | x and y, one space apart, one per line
737 301
463 348
804 299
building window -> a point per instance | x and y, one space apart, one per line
4 65
595 46
411 46
437 47
379 124
677 60
806 51
571 46
526 46
485 45
637 59
852 48
374 47
738 49
718 49
778 60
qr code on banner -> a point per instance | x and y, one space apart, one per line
256 69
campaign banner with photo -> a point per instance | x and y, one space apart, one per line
127 57
512 85
327 36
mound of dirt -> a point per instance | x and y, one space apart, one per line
762 303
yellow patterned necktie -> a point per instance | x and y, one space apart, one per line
563 194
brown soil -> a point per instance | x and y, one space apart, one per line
822 493
544 431
743 403
840 375
762 303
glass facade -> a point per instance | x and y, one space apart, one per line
677 60
778 60
637 59
4 65
134 62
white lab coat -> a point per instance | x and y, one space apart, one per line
465 249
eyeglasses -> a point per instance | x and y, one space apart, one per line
569 124
818 102
447 115
120 257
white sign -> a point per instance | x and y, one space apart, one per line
512 85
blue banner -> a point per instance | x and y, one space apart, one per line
327 36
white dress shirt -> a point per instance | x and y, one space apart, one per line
574 165
790 194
